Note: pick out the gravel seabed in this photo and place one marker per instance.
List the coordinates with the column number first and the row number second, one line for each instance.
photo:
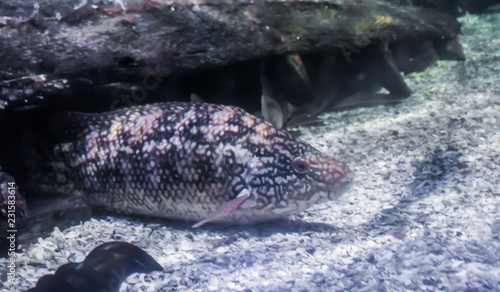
column 423, row 215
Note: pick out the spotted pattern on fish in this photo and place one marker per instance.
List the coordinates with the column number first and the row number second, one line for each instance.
column 192, row 161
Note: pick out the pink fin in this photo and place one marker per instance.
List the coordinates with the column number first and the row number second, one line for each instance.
column 226, row 209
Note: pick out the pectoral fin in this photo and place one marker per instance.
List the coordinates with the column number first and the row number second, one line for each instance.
column 227, row 208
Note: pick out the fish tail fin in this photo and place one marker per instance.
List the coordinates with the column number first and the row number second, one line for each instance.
column 28, row 140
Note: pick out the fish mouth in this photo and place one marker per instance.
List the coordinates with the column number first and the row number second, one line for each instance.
column 343, row 188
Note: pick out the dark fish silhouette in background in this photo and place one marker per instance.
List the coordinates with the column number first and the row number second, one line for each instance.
column 104, row 269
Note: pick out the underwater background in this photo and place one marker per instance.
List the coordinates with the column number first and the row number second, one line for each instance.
column 423, row 213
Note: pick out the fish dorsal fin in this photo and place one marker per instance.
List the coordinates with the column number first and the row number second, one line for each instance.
column 227, row 208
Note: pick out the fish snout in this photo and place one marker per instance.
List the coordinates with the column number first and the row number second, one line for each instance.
column 339, row 179
column 342, row 188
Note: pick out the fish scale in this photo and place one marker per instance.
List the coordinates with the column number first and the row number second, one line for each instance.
column 192, row 161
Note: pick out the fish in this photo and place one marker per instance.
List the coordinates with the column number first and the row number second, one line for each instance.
column 197, row 162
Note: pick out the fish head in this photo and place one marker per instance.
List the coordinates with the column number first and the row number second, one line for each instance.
column 298, row 177
column 326, row 178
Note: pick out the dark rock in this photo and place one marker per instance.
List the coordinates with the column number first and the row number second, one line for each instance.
column 104, row 268
column 178, row 38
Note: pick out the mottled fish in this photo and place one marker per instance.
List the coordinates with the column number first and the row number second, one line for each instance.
column 192, row 161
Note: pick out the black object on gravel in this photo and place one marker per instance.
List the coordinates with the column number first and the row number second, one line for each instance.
column 104, row 269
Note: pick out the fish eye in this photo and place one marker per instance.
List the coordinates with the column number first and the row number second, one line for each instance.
column 300, row 165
